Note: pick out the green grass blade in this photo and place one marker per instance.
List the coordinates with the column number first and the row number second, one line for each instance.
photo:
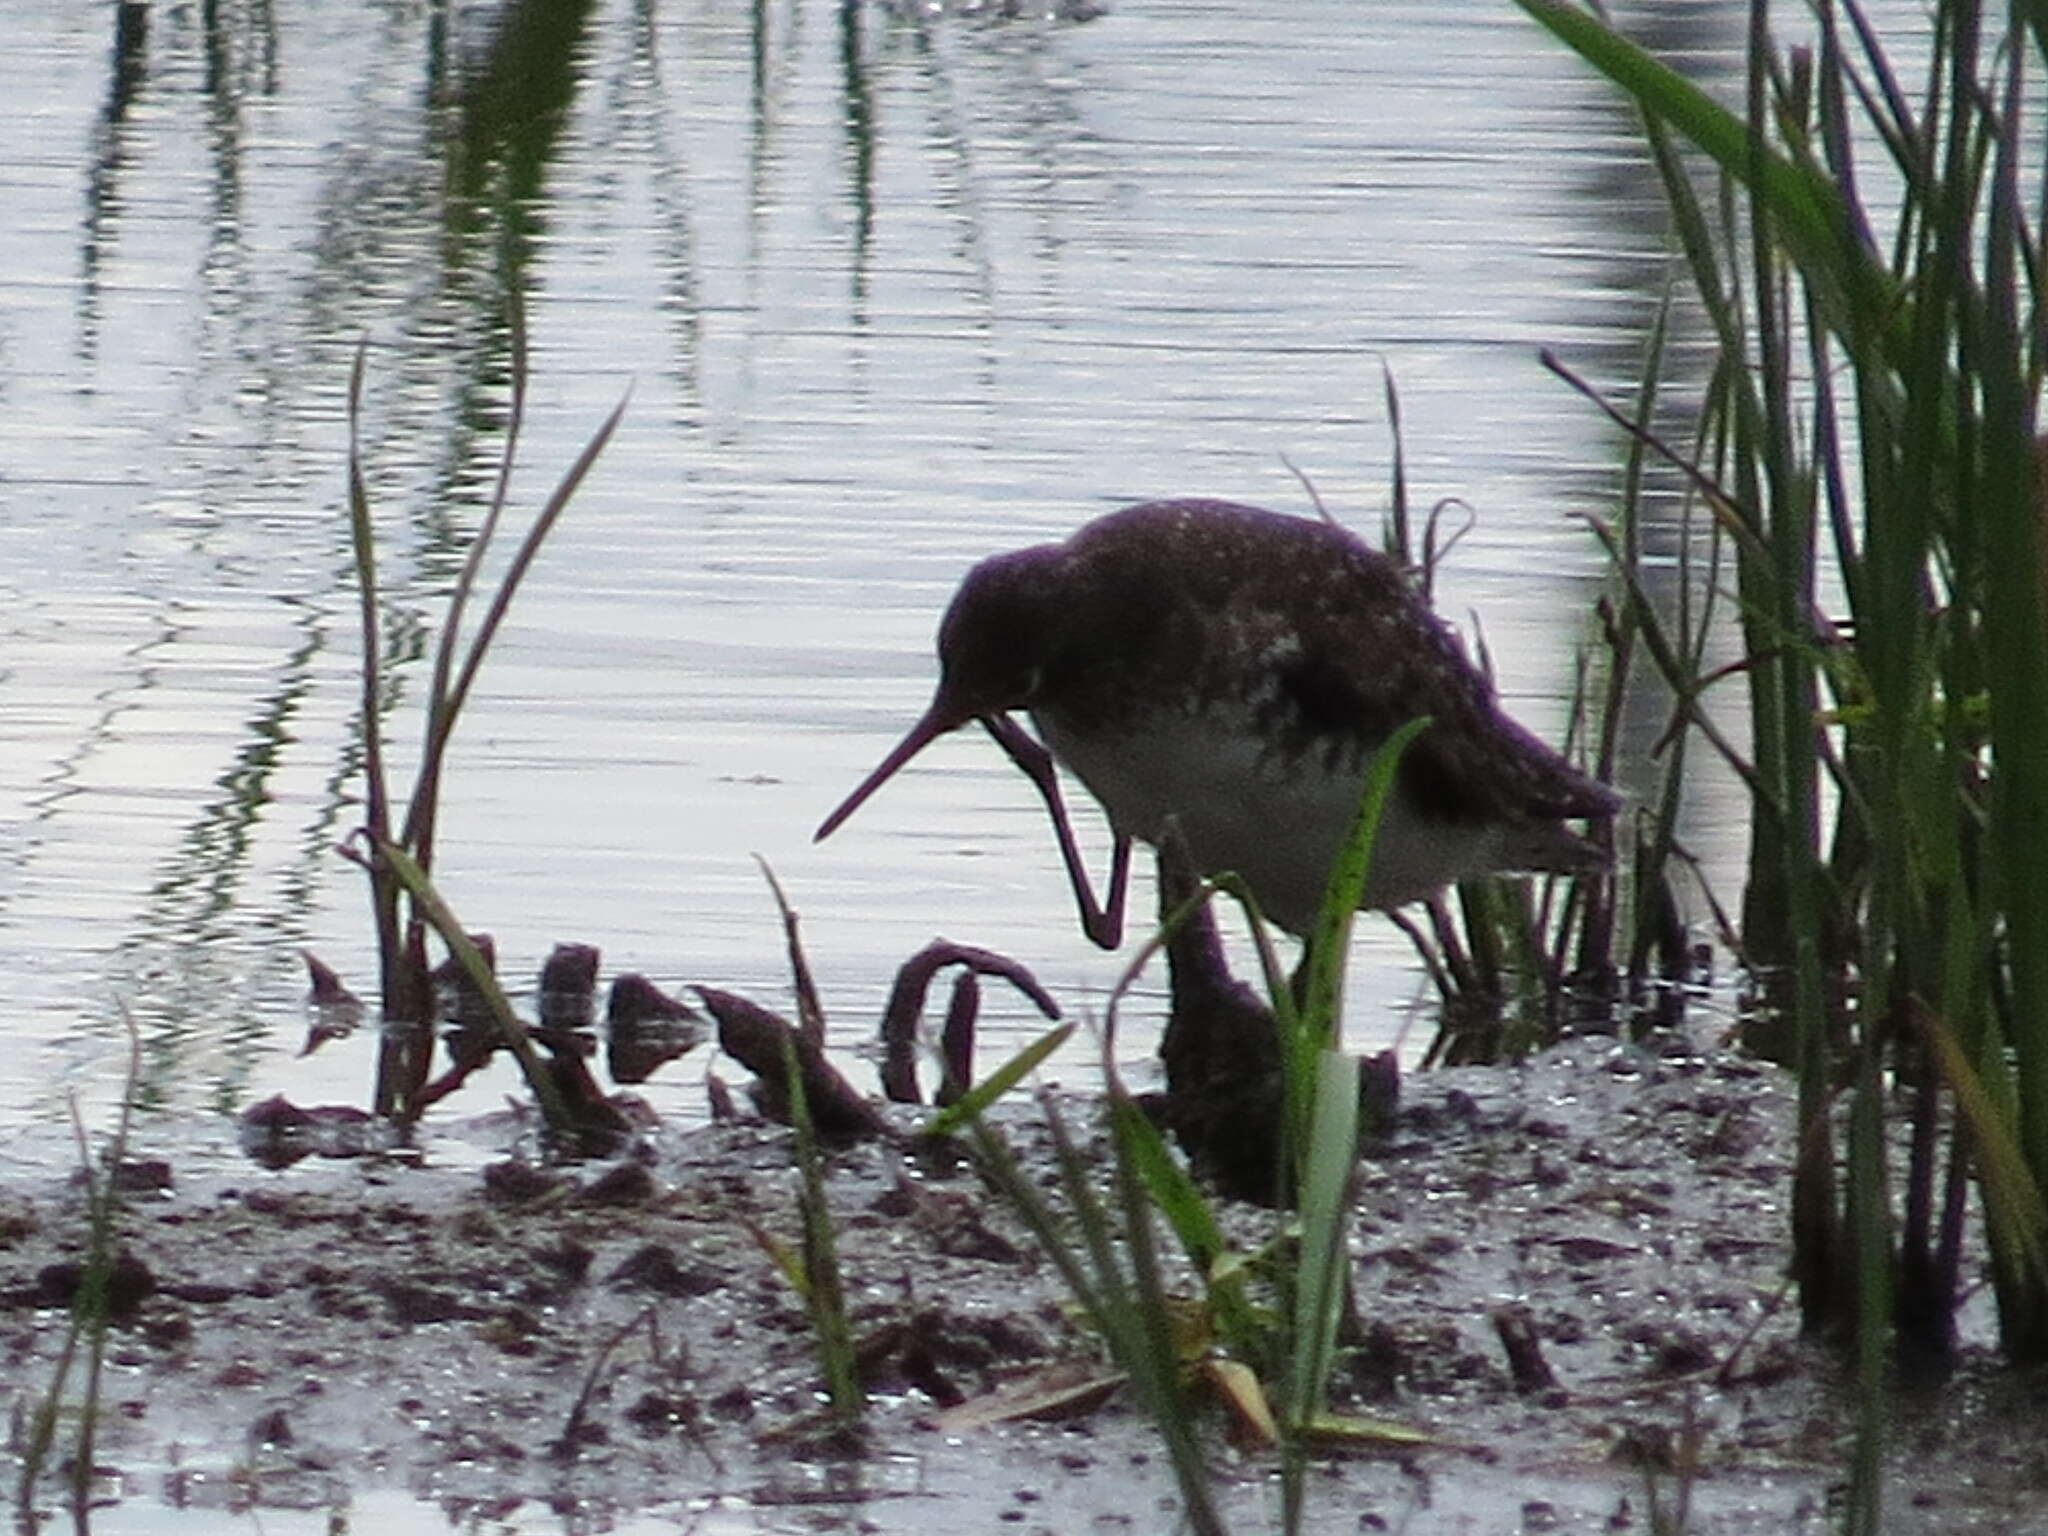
column 1351, row 1432
column 1399, row 540
column 1279, row 989
column 427, row 900
column 999, row 1167
column 1325, row 1209
column 823, row 1291
column 1131, row 1311
column 447, row 707
column 543, row 525
column 376, row 782
column 423, row 807
column 363, row 548
column 1798, row 194
column 787, row 1261
column 1312, row 1027
column 494, row 512
column 2013, row 1203
column 975, row 1102
column 1329, row 949
column 2011, row 497
column 1150, row 1352
column 1174, row 1194
column 810, row 1008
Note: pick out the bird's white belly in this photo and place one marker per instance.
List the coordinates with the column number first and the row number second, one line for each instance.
column 1276, row 821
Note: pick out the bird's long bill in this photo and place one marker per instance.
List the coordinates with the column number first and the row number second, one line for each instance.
column 936, row 723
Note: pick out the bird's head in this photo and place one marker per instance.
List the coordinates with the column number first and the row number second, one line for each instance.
column 992, row 655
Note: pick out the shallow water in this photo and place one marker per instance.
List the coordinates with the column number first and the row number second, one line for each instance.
column 888, row 294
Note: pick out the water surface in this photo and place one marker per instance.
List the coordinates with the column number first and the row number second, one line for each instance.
column 890, row 290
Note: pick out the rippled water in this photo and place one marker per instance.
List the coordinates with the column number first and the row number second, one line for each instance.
column 890, row 290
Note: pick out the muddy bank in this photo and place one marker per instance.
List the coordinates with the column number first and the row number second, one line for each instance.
column 534, row 1349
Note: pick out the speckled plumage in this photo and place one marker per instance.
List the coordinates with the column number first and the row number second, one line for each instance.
column 1235, row 669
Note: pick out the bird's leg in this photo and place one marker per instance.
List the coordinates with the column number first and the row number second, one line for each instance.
column 1104, row 922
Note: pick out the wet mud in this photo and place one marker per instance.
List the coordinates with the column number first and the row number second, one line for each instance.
column 1570, row 1277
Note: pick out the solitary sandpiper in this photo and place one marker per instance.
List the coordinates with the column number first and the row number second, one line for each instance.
column 1234, row 669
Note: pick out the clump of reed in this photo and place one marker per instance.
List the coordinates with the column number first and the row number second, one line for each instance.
column 1869, row 258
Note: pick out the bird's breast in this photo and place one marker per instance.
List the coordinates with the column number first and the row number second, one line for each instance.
column 1244, row 803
